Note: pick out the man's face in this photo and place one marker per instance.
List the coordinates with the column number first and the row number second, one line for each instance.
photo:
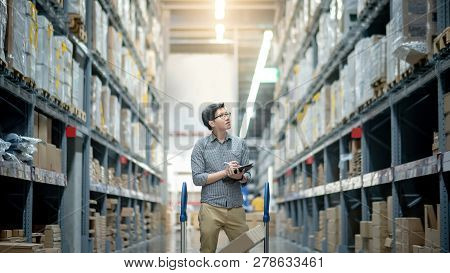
column 222, row 119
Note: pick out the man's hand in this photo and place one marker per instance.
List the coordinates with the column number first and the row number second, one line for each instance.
column 231, row 167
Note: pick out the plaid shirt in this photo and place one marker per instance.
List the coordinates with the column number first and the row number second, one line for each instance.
column 208, row 156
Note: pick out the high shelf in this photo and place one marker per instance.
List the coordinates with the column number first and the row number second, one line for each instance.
column 33, row 196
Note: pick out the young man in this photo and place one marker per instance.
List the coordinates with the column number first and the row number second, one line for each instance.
column 214, row 160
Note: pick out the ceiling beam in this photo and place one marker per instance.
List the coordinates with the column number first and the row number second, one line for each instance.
column 211, row 7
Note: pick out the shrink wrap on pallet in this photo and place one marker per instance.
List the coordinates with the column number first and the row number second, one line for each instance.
column 3, row 24
column 44, row 54
column 77, row 7
column 16, row 44
column 125, row 128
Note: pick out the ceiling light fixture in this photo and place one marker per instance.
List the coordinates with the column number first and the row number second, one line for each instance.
column 256, row 81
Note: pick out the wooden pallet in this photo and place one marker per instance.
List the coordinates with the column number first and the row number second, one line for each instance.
column 76, row 26
column 80, row 114
column 379, row 87
column 3, row 65
column 30, row 82
column 441, row 41
column 57, row 3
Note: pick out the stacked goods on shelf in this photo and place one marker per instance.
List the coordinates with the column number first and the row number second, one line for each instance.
column 104, row 109
column 347, row 74
column 138, row 225
column 76, row 9
column 379, row 227
column 408, row 232
column 378, row 65
column 97, row 228
column 320, row 234
column 96, row 106
column 292, row 231
column 124, row 181
column 78, row 86
column 114, row 118
column 100, row 21
column 47, row 156
column 125, row 128
column 17, row 38
column 326, row 38
column 364, row 240
column 44, row 59
column 111, row 222
column 13, row 241
column 344, row 12
column 31, row 42
column 67, row 61
column 409, row 22
column 333, row 228
column 114, row 51
column 435, row 146
column 138, row 133
column 432, row 230
column 320, row 174
column 355, row 165
column 363, row 89
column 126, row 215
column 151, row 221
column 52, row 238
column 3, row 24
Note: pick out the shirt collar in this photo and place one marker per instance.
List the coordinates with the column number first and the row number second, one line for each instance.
column 213, row 137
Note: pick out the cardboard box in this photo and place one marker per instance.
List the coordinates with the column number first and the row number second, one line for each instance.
column 432, row 234
column 17, row 233
column 379, row 232
column 127, row 212
column 245, row 241
column 358, row 243
column 411, row 224
column 365, row 229
column 378, row 244
column 390, row 218
column 54, row 158
column 43, row 131
column 5, row 234
column 42, row 156
column 418, row 249
column 379, row 213
column 388, row 242
column 447, row 124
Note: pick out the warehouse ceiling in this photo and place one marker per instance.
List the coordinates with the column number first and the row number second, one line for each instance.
column 192, row 30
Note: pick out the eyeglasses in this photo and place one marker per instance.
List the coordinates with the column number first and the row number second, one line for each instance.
column 224, row 115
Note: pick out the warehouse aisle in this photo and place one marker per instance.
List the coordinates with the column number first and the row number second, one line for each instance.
column 170, row 243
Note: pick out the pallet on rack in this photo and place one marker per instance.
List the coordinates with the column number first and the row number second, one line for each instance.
column 30, row 82
column 76, row 26
column 78, row 113
column 442, row 40
column 379, row 87
column 3, row 65
column 57, row 3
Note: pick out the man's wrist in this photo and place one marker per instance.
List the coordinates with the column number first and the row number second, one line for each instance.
column 224, row 174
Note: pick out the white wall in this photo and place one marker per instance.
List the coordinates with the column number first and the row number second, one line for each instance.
column 193, row 81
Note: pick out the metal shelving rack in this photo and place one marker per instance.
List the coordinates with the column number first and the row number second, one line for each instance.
column 396, row 164
column 24, row 179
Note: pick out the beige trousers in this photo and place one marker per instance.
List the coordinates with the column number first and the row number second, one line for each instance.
column 213, row 219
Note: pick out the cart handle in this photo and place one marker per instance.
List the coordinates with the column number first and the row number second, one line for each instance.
column 183, row 215
column 266, row 217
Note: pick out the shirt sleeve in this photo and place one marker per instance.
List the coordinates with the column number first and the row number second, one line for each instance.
column 199, row 176
column 245, row 155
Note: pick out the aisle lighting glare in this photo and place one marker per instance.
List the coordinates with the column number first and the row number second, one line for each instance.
column 256, row 81
column 220, row 9
column 220, row 32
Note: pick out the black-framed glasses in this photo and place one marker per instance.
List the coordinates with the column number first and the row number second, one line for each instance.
column 224, row 115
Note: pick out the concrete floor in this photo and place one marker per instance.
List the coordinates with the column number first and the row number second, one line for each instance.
column 170, row 243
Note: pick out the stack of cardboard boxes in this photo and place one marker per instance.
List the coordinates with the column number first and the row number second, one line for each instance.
column 355, row 161
column 52, row 238
column 13, row 241
column 138, row 225
column 379, row 227
column 126, row 215
column 333, row 228
column 320, row 234
column 47, row 156
column 111, row 222
column 408, row 232
column 432, row 232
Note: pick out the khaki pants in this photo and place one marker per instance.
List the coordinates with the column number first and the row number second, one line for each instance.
column 213, row 219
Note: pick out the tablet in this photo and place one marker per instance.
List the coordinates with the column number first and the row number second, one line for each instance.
column 245, row 168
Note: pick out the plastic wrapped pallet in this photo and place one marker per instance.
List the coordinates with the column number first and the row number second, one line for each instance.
column 32, row 40
column 104, row 110
column 409, row 18
column 44, row 56
column 16, row 43
column 57, row 67
column 391, row 60
column 114, row 51
column 67, row 61
column 344, row 12
column 114, row 117
column 96, row 102
column 125, row 128
column 76, row 7
column 431, row 24
column 349, row 85
column 78, row 86
column 3, row 22
column 378, row 60
column 100, row 30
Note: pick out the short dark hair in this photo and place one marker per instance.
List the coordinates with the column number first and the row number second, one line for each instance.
column 209, row 112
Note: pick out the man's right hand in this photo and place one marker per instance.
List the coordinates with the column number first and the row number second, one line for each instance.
column 230, row 167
